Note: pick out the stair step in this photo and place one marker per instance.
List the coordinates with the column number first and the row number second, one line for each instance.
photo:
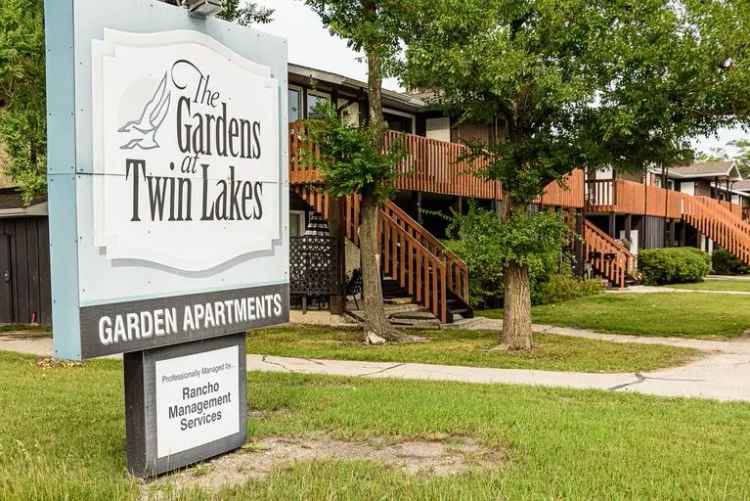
column 413, row 315
column 459, row 311
column 399, row 300
column 392, row 310
column 409, row 322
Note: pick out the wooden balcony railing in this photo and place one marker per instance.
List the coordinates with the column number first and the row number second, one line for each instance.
column 628, row 197
column 569, row 194
column 434, row 166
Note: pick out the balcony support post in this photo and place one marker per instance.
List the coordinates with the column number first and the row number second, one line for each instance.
column 337, row 229
column 419, row 207
column 580, row 270
column 683, row 233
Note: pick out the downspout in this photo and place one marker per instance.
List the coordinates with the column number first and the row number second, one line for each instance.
column 665, row 185
column 644, row 218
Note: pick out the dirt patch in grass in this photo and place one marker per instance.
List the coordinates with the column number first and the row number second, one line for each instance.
column 256, row 460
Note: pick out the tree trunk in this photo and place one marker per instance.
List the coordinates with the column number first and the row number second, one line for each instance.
column 375, row 94
column 376, row 321
column 517, row 333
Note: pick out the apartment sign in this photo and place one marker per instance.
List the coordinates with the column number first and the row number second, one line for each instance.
column 168, row 190
column 168, row 205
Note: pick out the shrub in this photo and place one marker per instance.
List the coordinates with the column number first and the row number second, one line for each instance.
column 562, row 287
column 486, row 244
column 675, row 265
column 724, row 263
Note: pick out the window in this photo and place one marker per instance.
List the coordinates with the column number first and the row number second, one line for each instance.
column 295, row 104
column 399, row 121
column 296, row 223
column 313, row 98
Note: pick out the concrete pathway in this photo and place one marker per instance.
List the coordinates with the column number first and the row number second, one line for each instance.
column 650, row 289
column 723, row 374
column 40, row 346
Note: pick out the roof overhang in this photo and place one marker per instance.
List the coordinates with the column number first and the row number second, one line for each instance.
column 299, row 73
column 731, row 173
column 36, row 210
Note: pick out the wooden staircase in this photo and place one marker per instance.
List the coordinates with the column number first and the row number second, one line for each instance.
column 607, row 256
column 719, row 224
column 414, row 263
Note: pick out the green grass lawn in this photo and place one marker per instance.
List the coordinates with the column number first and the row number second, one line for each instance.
column 62, row 437
column 471, row 348
column 716, row 285
column 709, row 316
column 26, row 329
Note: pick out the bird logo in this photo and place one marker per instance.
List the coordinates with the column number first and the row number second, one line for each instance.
column 141, row 133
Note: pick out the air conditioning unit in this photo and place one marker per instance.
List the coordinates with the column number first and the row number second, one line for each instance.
column 202, row 8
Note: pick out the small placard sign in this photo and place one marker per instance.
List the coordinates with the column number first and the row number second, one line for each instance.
column 184, row 403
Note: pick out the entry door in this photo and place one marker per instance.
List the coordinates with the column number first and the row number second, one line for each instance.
column 6, row 288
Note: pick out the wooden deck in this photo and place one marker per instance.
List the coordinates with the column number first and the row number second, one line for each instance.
column 628, row 197
column 433, row 166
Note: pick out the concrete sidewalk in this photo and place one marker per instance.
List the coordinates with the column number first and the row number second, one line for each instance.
column 724, row 374
column 651, row 289
column 719, row 377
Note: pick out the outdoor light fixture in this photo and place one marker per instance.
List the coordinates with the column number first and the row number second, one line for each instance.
column 202, row 8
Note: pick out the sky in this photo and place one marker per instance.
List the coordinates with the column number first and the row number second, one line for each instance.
column 311, row 45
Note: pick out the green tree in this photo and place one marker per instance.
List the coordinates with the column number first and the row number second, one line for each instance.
column 245, row 13
column 742, row 157
column 23, row 124
column 372, row 27
column 350, row 159
column 242, row 12
column 578, row 83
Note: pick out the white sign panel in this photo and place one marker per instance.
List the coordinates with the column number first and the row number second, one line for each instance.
column 197, row 400
column 186, row 143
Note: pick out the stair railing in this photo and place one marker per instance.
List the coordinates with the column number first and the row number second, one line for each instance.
column 457, row 270
column 717, row 226
column 730, row 217
column 608, row 256
column 419, row 271
column 407, row 253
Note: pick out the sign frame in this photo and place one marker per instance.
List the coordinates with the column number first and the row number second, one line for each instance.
column 70, row 27
column 141, row 408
